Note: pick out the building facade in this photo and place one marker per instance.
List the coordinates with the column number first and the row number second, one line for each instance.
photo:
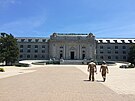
column 74, row 47
column 33, row 48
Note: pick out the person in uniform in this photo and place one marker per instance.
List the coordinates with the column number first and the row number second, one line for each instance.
column 91, row 69
column 104, row 70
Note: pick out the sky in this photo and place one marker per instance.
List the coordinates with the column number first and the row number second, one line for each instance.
column 41, row 18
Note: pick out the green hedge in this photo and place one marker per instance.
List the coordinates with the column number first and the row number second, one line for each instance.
column 38, row 63
column 127, row 66
column 131, row 66
column 53, row 62
column 22, row 65
column 2, row 70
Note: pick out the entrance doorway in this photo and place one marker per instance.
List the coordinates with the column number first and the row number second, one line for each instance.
column 83, row 56
column 61, row 55
column 72, row 55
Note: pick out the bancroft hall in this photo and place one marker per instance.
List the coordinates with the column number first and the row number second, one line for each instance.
column 73, row 46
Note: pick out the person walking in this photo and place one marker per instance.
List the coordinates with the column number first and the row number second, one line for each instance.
column 104, row 70
column 91, row 69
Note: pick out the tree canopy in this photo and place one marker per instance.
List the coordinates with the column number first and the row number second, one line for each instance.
column 8, row 49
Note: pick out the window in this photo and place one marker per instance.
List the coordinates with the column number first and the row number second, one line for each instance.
column 108, row 47
column 21, row 46
column 22, row 40
column 43, row 51
column 36, row 51
column 83, row 47
column 101, row 52
column 124, row 52
column 43, row 46
column 101, row 57
column 35, row 56
column 61, row 46
column 124, row 47
column 29, row 46
column 28, row 51
column 36, row 46
column 101, row 47
column 43, row 40
column 43, row 56
column 21, row 51
column 116, row 57
column 36, row 40
column 116, row 52
column 61, row 51
column 28, row 56
column 124, row 57
column 109, row 52
column 21, row 56
column 116, row 47
column 29, row 40
column 109, row 57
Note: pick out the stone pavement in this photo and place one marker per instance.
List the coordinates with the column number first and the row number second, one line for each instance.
column 120, row 80
column 56, row 83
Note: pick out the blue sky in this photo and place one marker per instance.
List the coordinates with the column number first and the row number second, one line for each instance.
column 40, row 18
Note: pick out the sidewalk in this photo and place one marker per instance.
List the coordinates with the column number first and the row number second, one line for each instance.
column 56, row 83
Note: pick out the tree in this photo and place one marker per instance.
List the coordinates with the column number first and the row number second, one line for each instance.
column 131, row 57
column 8, row 49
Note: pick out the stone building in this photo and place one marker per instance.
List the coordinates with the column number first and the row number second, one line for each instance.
column 113, row 49
column 33, row 48
column 73, row 46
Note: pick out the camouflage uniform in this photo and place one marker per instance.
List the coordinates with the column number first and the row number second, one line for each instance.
column 104, row 70
column 91, row 68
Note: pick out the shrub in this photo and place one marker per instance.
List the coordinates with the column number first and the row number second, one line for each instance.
column 53, row 62
column 38, row 63
column 22, row 65
column 2, row 70
column 131, row 66
column 127, row 66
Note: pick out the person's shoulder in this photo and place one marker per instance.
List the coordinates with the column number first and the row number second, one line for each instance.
column 93, row 63
column 104, row 65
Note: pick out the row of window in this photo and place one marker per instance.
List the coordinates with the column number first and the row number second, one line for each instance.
column 36, row 40
column 115, row 47
column 29, row 46
column 110, row 57
column 28, row 51
column 116, row 52
column 29, row 56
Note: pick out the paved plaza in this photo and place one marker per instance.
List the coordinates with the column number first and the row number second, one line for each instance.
column 67, row 83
